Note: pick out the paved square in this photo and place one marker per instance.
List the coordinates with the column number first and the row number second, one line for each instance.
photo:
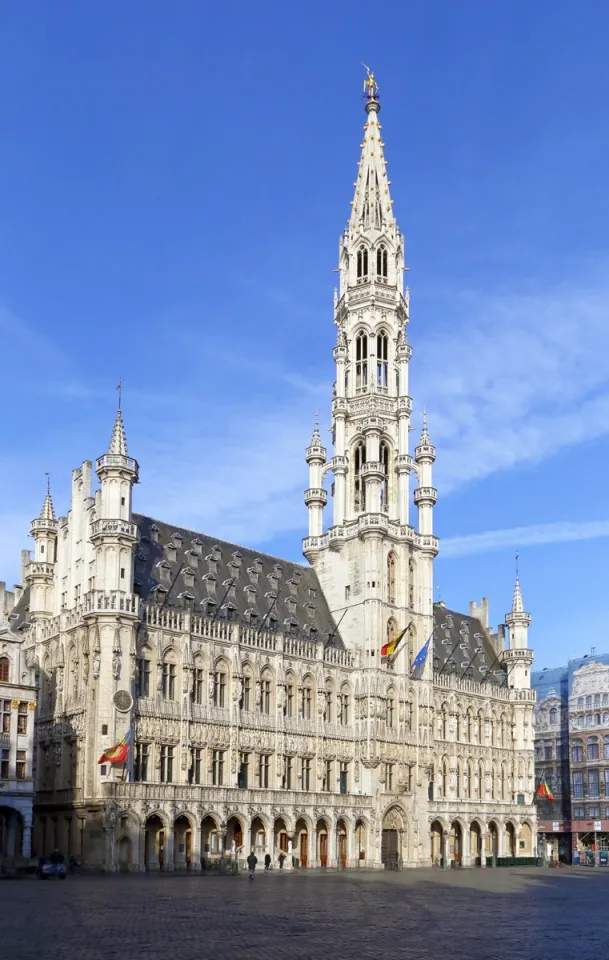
column 427, row 915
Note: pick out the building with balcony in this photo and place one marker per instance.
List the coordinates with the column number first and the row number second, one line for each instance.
column 17, row 705
column 261, row 712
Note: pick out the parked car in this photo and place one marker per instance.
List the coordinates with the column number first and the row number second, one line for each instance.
column 48, row 869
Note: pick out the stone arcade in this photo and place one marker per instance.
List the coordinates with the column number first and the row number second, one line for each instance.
column 261, row 712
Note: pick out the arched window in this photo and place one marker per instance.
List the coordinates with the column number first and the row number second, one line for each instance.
column 480, row 727
column 381, row 261
column 361, row 362
column 329, row 716
column 220, row 684
column 606, row 750
column 553, row 715
column 359, row 490
column 470, row 725
column 4, row 669
column 384, row 455
column 391, row 708
column 411, row 576
column 493, row 779
column 481, row 778
column 459, row 778
column 382, row 353
column 593, row 748
column 468, row 779
column 265, row 692
column 362, row 263
column 577, row 751
column 391, row 577
column 444, row 777
column 306, row 699
column 391, row 629
column 168, row 679
column 503, row 782
column 344, row 705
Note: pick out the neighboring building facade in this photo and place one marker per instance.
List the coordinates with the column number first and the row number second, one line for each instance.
column 572, row 753
column 261, row 712
column 17, row 704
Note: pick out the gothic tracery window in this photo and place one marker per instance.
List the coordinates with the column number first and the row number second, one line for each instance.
column 411, row 575
column 359, row 459
column 362, row 263
column 382, row 356
column 381, row 261
column 361, row 362
column 384, row 458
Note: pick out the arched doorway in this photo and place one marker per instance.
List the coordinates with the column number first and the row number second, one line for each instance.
column 341, row 843
column 510, row 840
column 258, row 837
column 475, row 843
column 437, row 844
column 210, row 840
column 154, row 846
column 322, row 843
column 182, row 844
column 392, row 837
column 234, row 839
column 280, row 838
column 124, row 854
column 493, row 840
column 360, row 843
column 301, row 836
column 455, row 842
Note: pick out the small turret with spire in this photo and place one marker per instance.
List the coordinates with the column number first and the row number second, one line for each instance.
column 425, row 495
column 315, row 496
column 39, row 572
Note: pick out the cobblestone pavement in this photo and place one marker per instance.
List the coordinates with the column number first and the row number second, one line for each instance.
column 503, row 914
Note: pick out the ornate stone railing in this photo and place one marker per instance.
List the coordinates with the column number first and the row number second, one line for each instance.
column 253, row 637
column 124, row 527
column 214, row 629
column 208, row 795
column 38, row 568
column 342, row 658
column 101, row 601
column 297, row 647
column 486, row 689
column 116, row 460
column 157, row 616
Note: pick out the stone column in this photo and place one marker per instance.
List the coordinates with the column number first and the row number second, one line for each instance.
column 195, row 860
column 11, row 839
column 169, row 841
column 287, row 863
column 466, row 851
column 483, row 843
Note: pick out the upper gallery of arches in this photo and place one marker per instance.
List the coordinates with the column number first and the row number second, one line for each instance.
column 372, row 246
column 214, row 578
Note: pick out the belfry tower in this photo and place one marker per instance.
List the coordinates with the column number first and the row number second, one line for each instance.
column 376, row 569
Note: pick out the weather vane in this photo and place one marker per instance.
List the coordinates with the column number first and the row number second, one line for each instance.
column 371, row 87
column 119, row 387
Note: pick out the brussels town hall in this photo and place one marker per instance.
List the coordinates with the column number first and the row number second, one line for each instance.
column 258, row 710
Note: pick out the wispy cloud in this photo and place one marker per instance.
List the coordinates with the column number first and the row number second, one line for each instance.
column 523, row 537
column 516, row 378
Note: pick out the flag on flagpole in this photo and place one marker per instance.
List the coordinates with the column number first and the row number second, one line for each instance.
column 418, row 664
column 544, row 792
column 119, row 752
column 389, row 648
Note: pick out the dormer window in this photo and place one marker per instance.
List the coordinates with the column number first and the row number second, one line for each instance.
column 236, row 561
column 230, row 586
column 253, row 574
column 229, row 610
column 189, row 577
column 170, row 551
column 293, row 586
column 210, row 582
column 312, row 593
column 362, row 263
column 154, row 533
column 164, row 570
column 177, row 538
column 193, row 558
column 160, row 593
column 277, row 570
column 197, row 545
column 208, row 607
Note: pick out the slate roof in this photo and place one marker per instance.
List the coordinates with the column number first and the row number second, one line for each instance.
column 195, row 569
column 457, row 638
column 19, row 614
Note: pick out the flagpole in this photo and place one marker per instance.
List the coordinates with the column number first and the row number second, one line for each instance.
column 269, row 611
column 231, row 583
column 449, row 656
column 335, row 631
column 491, row 666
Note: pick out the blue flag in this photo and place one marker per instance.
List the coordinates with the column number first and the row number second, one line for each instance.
column 419, row 661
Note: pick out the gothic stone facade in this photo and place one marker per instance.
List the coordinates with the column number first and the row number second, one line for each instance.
column 262, row 713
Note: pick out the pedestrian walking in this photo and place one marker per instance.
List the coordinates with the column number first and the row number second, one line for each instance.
column 267, row 862
column 252, row 860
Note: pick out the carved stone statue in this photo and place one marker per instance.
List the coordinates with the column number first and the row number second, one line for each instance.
column 96, row 664
column 116, row 664
column 237, row 689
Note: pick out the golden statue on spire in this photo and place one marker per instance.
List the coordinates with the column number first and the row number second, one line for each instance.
column 371, row 87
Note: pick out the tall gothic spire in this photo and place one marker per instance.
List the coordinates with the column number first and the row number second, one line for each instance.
column 118, row 441
column 372, row 203
column 517, row 604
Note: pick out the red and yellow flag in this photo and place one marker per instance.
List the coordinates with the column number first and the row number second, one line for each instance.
column 389, row 648
column 119, row 752
column 544, row 792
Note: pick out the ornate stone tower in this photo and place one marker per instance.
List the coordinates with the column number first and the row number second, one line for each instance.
column 518, row 657
column 376, row 569
column 40, row 571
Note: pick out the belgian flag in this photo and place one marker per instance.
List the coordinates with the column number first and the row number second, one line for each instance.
column 119, row 752
column 544, row 792
column 389, row 649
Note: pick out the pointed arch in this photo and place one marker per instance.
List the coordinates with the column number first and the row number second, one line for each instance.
column 361, row 362
column 384, row 456
column 382, row 359
column 359, row 487
column 411, row 582
column 381, row 261
column 362, row 263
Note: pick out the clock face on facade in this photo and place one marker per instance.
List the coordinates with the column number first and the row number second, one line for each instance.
column 123, row 700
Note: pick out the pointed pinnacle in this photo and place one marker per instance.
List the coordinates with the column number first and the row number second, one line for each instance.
column 517, row 604
column 48, row 510
column 424, row 431
column 118, row 441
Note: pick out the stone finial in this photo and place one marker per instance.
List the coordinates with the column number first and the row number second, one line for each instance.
column 118, row 441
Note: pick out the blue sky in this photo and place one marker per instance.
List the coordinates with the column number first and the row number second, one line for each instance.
column 173, row 183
